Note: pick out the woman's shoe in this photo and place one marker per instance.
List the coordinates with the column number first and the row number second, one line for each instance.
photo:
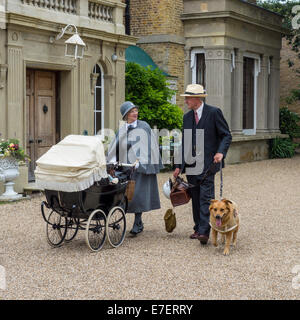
column 137, row 228
column 138, row 224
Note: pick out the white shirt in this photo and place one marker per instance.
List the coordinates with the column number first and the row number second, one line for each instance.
column 199, row 111
column 133, row 124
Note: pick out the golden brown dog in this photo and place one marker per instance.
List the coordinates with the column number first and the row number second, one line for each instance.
column 224, row 219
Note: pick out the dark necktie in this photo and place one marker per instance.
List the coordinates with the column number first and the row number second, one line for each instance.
column 196, row 117
column 130, row 127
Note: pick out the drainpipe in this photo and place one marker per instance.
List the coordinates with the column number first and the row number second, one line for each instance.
column 127, row 17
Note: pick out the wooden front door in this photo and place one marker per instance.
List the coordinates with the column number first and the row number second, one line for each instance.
column 41, row 111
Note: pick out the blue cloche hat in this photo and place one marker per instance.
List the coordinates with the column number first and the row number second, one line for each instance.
column 126, row 107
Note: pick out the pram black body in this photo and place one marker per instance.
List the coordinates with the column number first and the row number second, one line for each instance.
column 98, row 210
column 83, row 192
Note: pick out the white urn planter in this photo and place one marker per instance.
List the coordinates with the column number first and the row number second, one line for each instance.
column 9, row 171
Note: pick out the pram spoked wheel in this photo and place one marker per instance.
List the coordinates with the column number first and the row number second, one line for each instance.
column 95, row 232
column 116, row 226
column 56, row 226
column 72, row 229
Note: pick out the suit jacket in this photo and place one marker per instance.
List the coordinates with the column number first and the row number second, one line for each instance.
column 217, row 136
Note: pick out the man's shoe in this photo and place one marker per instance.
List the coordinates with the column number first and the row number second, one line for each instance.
column 203, row 238
column 195, row 235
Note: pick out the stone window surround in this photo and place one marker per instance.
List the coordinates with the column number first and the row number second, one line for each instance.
column 194, row 52
column 102, row 98
column 257, row 70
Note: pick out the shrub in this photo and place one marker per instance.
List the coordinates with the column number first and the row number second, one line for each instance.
column 282, row 148
column 288, row 122
column 148, row 89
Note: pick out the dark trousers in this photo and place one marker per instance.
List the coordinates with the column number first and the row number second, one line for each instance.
column 201, row 196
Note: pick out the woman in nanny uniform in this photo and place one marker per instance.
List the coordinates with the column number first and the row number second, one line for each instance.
column 140, row 145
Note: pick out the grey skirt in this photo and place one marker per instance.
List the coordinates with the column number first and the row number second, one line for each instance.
column 146, row 195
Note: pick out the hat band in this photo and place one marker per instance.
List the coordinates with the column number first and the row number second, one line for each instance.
column 192, row 93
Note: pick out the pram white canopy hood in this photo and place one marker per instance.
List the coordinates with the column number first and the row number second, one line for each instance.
column 74, row 164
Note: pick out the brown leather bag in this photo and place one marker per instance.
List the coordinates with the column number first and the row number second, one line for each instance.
column 130, row 190
column 180, row 193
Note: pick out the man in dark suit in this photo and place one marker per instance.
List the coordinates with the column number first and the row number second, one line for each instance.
column 217, row 139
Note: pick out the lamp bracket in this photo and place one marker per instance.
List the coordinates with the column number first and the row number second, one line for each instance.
column 63, row 30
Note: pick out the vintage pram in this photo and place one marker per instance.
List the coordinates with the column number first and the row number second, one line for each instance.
column 80, row 194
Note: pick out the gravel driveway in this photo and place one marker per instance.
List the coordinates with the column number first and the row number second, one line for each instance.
column 158, row 265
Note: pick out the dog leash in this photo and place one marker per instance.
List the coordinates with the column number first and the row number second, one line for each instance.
column 221, row 183
column 190, row 186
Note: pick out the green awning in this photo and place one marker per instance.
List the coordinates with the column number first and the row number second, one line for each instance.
column 138, row 55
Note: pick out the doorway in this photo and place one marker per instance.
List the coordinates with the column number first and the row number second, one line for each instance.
column 41, row 114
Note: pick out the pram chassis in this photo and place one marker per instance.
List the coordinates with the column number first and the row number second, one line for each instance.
column 99, row 210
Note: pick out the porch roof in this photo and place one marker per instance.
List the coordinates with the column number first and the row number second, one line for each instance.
column 138, row 55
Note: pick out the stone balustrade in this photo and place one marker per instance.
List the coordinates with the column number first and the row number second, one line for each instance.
column 102, row 15
column 100, row 11
column 66, row 6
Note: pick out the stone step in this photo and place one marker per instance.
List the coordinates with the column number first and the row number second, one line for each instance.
column 31, row 187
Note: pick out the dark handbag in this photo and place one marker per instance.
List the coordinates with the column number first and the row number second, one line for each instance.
column 180, row 193
column 170, row 220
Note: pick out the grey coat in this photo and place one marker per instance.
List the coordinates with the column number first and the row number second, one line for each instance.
column 146, row 195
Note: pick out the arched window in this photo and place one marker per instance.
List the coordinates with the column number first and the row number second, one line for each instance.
column 98, row 101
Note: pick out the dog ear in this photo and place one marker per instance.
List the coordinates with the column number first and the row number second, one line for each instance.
column 227, row 201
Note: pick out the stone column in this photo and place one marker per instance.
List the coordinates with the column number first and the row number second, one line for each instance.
column 274, row 96
column 86, row 114
column 218, row 79
column 187, row 69
column 3, row 85
column 75, row 99
column 119, row 83
column 15, row 87
column 262, row 97
column 237, row 96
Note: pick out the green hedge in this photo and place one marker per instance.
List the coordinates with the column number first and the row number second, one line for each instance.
column 148, row 89
column 288, row 122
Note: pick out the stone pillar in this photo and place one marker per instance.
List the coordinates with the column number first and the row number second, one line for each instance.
column 75, row 99
column 3, row 85
column 218, row 79
column 86, row 114
column 262, row 97
column 187, row 69
column 15, row 88
column 119, row 83
column 111, row 110
column 237, row 96
column 274, row 96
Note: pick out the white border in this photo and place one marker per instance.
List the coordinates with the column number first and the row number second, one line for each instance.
column 102, row 102
column 193, row 61
column 257, row 64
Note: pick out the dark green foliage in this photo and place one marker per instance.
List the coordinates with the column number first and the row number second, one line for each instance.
column 288, row 122
column 290, row 63
column 148, row 89
column 282, row 148
column 285, row 9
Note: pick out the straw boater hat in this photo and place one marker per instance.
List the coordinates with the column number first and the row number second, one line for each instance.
column 194, row 90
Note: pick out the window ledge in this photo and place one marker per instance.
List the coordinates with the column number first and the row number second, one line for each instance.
column 258, row 136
